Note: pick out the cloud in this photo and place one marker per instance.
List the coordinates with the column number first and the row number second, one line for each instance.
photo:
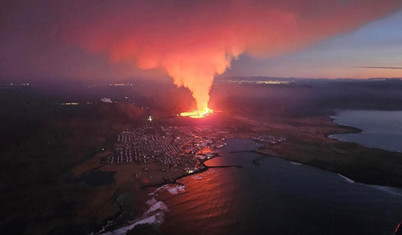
column 380, row 67
column 193, row 41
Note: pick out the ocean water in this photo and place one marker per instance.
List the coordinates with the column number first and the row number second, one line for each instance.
column 276, row 197
column 380, row 129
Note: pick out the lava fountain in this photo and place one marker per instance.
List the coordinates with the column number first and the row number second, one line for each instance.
column 193, row 41
column 197, row 113
column 195, row 69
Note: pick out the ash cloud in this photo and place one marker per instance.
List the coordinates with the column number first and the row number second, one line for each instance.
column 192, row 41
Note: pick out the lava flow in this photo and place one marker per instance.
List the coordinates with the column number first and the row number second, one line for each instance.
column 197, row 113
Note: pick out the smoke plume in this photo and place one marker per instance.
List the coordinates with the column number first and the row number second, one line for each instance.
column 195, row 40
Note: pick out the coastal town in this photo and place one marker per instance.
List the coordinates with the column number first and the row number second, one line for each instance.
column 171, row 146
column 174, row 146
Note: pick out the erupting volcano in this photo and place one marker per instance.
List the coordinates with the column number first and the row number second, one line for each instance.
column 194, row 68
column 193, row 41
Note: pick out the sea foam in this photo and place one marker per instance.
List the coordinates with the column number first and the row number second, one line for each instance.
column 176, row 189
column 154, row 219
column 154, row 215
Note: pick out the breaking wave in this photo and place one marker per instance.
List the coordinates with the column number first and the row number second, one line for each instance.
column 154, row 215
column 176, row 189
column 156, row 211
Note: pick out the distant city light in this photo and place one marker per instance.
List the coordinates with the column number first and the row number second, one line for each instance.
column 106, row 100
column 69, row 104
column 260, row 82
column 120, row 84
column 16, row 84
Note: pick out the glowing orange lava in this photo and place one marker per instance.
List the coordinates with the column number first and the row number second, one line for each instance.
column 197, row 113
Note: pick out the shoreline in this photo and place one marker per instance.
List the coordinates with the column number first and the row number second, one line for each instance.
column 392, row 190
column 348, row 130
column 199, row 170
column 264, row 152
column 386, row 188
column 355, row 130
column 350, row 149
column 173, row 180
column 356, row 179
column 271, row 151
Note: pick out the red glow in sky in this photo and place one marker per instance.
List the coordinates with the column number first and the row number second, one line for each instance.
column 195, row 41
column 191, row 41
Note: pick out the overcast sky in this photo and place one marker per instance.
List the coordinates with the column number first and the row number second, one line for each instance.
column 374, row 50
column 104, row 40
